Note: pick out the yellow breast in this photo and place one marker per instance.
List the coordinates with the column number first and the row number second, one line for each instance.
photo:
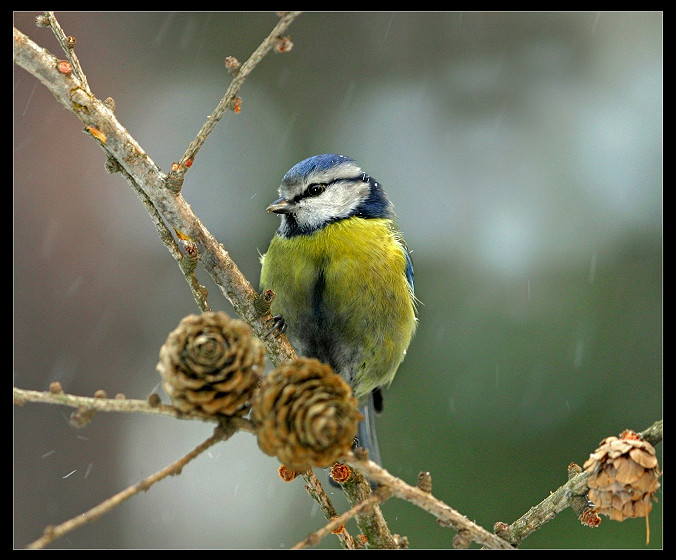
column 348, row 277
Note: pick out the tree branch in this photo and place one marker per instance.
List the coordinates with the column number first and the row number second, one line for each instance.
column 337, row 523
column 160, row 193
column 370, row 520
column 67, row 45
column 147, row 178
column 445, row 514
column 228, row 99
column 22, row 396
column 51, row 533
column 560, row 499
column 316, row 491
column 508, row 536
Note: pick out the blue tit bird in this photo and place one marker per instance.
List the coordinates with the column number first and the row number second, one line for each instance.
column 342, row 278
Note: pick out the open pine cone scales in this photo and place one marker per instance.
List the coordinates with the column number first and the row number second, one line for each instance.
column 305, row 415
column 624, row 476
column 211, row 363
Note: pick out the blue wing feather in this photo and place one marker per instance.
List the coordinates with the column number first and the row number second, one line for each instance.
column 409, row 269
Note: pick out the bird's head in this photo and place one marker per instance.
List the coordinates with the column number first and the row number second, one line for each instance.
column 326, row 188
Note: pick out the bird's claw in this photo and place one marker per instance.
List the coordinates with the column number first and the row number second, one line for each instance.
column 278, row 324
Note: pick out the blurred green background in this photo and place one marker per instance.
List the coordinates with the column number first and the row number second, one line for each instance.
column 523, row 153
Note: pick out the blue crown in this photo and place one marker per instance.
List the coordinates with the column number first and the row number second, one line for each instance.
column 315, row 163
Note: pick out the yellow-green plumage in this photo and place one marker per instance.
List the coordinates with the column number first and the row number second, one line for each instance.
column 344, row 294
column 342, row 278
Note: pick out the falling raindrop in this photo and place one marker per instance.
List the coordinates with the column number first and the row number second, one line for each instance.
column 74, row 287
column 596, row 22
column 592, row 267
column 314, row 510
column 387, row 31
column 25, row 110
column 528, row 290
column 579, row 347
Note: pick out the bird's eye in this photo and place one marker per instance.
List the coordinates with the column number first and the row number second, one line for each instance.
column 315, row 189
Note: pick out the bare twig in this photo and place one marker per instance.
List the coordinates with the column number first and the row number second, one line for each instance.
column 446, row 515
column 146, row 177
column 187, row 259
column 22, row 396
column 653, row 434
column 316, row 491
column 51, row 533
column 227, row 101
column 337, row 523
column 545, row 511
column 71, row 89
column 186, row 263
column 562, row 498
column 67, row 46
column 371, row 521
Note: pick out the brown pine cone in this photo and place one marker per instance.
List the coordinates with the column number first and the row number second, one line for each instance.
column 305, row 414
column 624, row 476
column 211, row 363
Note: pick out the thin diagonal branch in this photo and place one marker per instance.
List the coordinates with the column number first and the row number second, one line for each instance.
column 142, row 172
column 227, row 101
column 337, row 523
column 371, row 521
column 221, row 432
column 187, row 260
column 68, row 49
column 561, row 498
column 426, row 501
column 316, row 491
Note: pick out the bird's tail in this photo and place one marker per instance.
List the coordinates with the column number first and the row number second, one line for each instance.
column 366, row 431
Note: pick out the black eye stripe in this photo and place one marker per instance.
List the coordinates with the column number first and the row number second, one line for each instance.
column 315, row 189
